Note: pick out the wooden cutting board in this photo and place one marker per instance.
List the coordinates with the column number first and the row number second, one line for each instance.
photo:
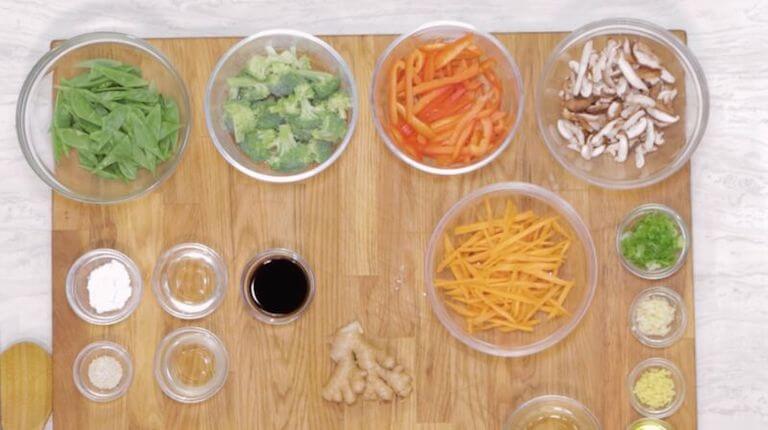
column 363, row 224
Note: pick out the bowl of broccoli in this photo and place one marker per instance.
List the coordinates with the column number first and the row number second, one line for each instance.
column 281, row 106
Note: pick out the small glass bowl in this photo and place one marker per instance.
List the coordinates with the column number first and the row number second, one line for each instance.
column 581, row 266
column 190, row 260
column 86, row 357
column 178, row 390
column 678, row 325
column 77, row 286
column 628, row 223
column 657, row 424
column 322, row 55
column 35, row 107
column 253, row 264
column 677, row 376
column 509, row 76
column 682, row 138
column 535, row 408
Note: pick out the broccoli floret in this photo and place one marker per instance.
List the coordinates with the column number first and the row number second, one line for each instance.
column 265, row 117
column 321, row 150
column 304, row 91
column 258, row 67
column 332, row 128
column 287, row 107
column 282, row 84
column 324, row 84
column 285, row 140
column 240, row 117
column 258, row 144
column 291, row 155
column 306, row 122
column 247, row 88
column 339, row 103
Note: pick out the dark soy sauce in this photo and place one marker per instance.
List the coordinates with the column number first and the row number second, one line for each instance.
column 279, row 286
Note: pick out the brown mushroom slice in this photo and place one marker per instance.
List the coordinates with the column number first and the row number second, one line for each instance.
column 629, row 73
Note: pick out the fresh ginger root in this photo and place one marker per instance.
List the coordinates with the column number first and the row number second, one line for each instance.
column 363, row 369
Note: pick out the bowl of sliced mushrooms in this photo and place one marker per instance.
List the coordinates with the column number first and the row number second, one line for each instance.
column 622, row 103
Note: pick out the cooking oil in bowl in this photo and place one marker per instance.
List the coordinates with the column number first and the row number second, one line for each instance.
column 650, row 424
column 192, row 365
column 553, row 421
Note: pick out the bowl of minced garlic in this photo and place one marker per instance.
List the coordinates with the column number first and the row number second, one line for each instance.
column 657, row 317
column 656, row 388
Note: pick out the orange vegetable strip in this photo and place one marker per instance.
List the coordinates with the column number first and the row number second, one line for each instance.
column 429, row 66
column 409, row 72
column 427, row 98
column 437, row 83
column 464, row 122
column 434, row 46
column 417, row 124
column 452, row 50
column 393, row 91
column 459, row 143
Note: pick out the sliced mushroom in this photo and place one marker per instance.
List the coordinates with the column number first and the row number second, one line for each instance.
column 629, row 73
column 622, row 86
column 662, row 116
column 636, row 129
column 645, row 56
column 585, row 54
column 650, row 136
column 667, row 95
column 623, row 148
column 667, row 77
column 586, row 152
column 586, row 88
column 614, row 109
column 597, row 151
column 578, row 105
column 652, row 76
column 632, row 120
column 639, row 157
column 640, row 99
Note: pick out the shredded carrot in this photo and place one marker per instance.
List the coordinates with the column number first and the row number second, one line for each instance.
column 501, row 270
column 445, row 104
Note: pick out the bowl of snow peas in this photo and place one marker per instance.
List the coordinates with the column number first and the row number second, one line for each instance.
column 103, row 118
column 281, row 106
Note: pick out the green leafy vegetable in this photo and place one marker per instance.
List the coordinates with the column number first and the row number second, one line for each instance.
column 653, row 243
column 115, row 120
column 284, row 113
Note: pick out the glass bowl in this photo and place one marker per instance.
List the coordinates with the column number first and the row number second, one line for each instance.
column 189, row 280
column 174, row 372
column 256, row 261
column 677, row 328
column 650, row 424
column 580, row 266
column 35, row 108
column 77, row 286
column 551, row 406
column 682, row 138
column 506, row 67
column 322, row 56
column 628, row 223
column 677, row 376
column 84, row 360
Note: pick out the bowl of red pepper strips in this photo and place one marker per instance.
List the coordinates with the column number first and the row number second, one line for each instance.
column 447, row 98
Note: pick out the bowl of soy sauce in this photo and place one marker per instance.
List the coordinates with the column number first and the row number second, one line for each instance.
column 278, row 286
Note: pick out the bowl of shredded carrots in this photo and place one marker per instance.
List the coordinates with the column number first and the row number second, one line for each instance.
column 447, row 98
column 511, row 269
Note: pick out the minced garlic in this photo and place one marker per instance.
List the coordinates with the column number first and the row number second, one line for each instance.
column 654, row 316
column 655, row 388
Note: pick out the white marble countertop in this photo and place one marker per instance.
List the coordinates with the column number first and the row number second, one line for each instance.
column 730, row 169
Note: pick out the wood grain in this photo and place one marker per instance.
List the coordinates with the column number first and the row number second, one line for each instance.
column 363, row 225
column 26, row 383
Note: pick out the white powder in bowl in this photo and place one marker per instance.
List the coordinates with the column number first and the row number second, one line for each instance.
column 109, row 287
column 105, row 372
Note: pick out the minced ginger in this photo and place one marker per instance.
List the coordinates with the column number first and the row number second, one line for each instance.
column 655, row 388
column 363, row 369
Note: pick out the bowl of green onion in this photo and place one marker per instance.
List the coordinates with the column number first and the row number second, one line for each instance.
column 653, row 241
column 103, row 118
column 281, row 106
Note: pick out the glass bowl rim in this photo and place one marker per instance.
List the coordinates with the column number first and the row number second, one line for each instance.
column 674, row 335
column 448, row 171
column 552, row 398
column 41, row 68
column 219, row 266
column 162, row 350
column 575, row 222
column 340, row 147
column 677, row 376
column 126, row 360
column 682, row 227
column 136, row 290
column 684, row 55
